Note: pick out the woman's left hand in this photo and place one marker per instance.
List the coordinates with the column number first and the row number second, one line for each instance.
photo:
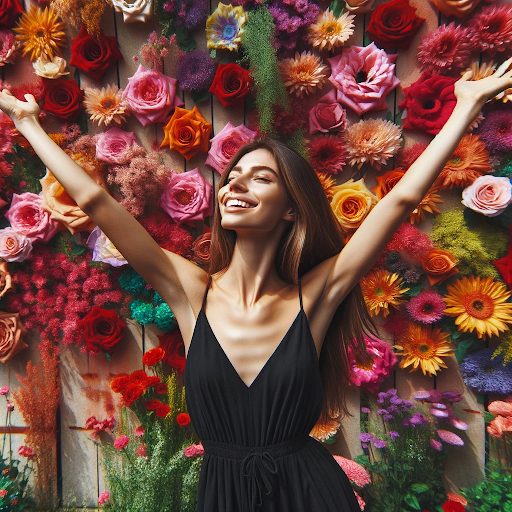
column 478, row 92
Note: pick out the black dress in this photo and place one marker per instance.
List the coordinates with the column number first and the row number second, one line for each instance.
column 258, row 452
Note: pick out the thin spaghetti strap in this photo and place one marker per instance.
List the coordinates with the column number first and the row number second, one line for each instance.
column 300, row 293
column 206, row 291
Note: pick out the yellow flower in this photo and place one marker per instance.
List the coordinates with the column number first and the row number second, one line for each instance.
column 480, row 304
column 351, row 202
column 329, row 32
column 382, row 289
column 105, row 105
column 40, row 33
column 303, row 74
column 424, row 347
column 225, row 26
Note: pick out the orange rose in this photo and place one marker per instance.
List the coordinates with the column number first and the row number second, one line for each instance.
column 61, row 205
column 5, row 279
column 386, row 181
column 458, row 8
column 359, row 6
column 439, row 265
column 499, row 425
column 10, row 336
column 352, row 202
column 188, row 132
column 500, row 408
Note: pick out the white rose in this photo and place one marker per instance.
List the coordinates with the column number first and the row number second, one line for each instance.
column 134, row 10
column 50, row 68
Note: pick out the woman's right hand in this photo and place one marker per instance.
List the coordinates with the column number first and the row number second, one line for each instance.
column 19, row 111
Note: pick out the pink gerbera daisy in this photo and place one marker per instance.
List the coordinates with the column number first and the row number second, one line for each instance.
column 327, row 154
column 491, row 29
column 427, row 307
column 496, row 130
column 355, row 472
column 445, row 50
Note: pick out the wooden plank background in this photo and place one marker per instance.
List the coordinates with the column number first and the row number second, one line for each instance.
column 84, row 378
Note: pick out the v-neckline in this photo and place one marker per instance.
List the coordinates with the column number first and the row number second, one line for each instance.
column 267, row 362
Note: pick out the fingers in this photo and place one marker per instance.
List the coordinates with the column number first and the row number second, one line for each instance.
column 6, row 91
column 467, row 75
column 503, row 67
column 30, row 98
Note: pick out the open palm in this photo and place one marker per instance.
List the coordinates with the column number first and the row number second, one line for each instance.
column 485, row 89
column 16, row 109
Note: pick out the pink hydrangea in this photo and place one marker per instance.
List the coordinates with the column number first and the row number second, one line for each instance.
column 28, row 217
column 488, row 195
column 14, row 246
column 187, row 196
column 151, row 95
column 226, row 143
column 115, row 146
column 363, row 76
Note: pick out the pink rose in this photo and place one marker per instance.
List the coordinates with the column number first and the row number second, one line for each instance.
column 193, row 450
column 327, row 115
column 11, row 341
column 488, row 195
column 151, row 95
column 121, row 442
column 103, row 498
column 187, row 196
column 29, row 218
column 14, row 246
column 113, row 146
column 226, row 143
column 4, row 390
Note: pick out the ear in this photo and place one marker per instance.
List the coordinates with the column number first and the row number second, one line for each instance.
column 290, row 215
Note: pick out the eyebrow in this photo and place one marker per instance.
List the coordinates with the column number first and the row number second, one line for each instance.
column 254, row 168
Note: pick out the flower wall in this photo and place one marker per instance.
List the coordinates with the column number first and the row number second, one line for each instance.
column 152, row 109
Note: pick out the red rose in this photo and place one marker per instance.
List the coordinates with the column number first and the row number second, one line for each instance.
column 153, row 356
column 161, row 409
column 429, row 102
column 394, row 24
column 172, row 342
column 94, row 55
column 231, row 84
column 9, row 12
column 201, row 248
column 62, row 97
column 103, row 329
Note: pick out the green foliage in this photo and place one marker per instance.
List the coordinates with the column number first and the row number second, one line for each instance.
column 258, row 50
column 297, row 142
column 473, row 247
column 14, row 480
column 27, row 168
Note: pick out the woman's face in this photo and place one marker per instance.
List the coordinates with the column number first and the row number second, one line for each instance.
column 255, row 180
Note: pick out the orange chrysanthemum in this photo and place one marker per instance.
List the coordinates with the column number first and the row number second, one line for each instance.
column 429, row 204
column 469, row 161
column 303, row 74
column 382, row 289
column 327, row 182
column 479, row 303
column 105, row 105
column 40, row 33
column 423, row 347
column 322, row 431
column 330, row 32
column 372, row 141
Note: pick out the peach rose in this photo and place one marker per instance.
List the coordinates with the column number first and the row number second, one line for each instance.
column 500, row 408
column 457, row 8
column 352, row 202
column 50, row 69
column 187, row 131
column 359, row 6
column 439, row 265
column 10, row 336
column 14, row 246
column 5, row 279
column 488, row 195
column 499, row 425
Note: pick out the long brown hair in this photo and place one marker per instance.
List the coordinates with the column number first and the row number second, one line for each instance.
column 314, row 236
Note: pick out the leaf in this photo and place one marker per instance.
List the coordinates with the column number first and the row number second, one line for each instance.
column 337, row 7
column 420, row 488
column 412, row 501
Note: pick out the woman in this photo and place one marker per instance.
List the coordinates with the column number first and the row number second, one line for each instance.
column 253, row 402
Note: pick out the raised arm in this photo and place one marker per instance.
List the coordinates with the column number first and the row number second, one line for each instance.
column 175, row 278
column 359, row 254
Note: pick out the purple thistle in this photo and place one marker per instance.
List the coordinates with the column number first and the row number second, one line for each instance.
column 496, row 130
column 394, row 434
column 196, row 14
column 195, row 70
column 365, row 437
column 379, row 443
column 365, row 410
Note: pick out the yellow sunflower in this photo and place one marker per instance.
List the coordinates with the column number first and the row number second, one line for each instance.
column 105, row 105
column 382, row 289
column 40, row 33
column 480, row 304
column 329, row 32
column 423, row 347
column 303, row 74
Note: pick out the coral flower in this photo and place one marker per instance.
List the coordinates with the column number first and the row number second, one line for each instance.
column 105, row 105
column 303, row 74
column 329, row 31
column 428, row 204
column 372, row 141
column 457, row 8
column 491, row 30
column 469, row 161
column 322, row 431
column 445, row 50
column 327, row 154
column 382, row 289
column 423, row 347
column 480, row 304
column 427, row 307
column 40, row 33
column 225, row 26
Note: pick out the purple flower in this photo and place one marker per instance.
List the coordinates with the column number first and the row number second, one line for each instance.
column 365, row 410
column 417, row 419
column 195, row 71
column 394, row 434
column 449, row 437
column 436, row 444
column 365, row 437
column 496, row 130
column 379, row 443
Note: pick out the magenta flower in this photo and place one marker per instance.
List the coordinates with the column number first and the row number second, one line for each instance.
column 491, row 30
column 4, row 390
column 363, row 76
column 103, row 498
column 449, row 437
column 121, row 442
column 427, row 307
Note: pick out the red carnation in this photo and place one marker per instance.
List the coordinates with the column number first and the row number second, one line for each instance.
column 160, row 409
column 9, row 12
column 132, row 392
column 183, row 419
column 94, row 55
column 102, row 328
column 161, row 388
column 429, row 102
column 153, row 356
column 119, row 383
column 394, row 24
column 62, row 98
column 231, row 84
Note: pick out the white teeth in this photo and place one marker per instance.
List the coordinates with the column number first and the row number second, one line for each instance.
column 237, row 202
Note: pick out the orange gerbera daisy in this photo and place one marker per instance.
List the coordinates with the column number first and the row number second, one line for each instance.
column 423, row 347
column 382, row 289
column 387, row 180
column 327, row 182
column 427, row 205
column 479, row 303
column 330, row 32
column 304, row 73
column 40, row 33
column 105, row 105
column 469, row 161
column 322, row 431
